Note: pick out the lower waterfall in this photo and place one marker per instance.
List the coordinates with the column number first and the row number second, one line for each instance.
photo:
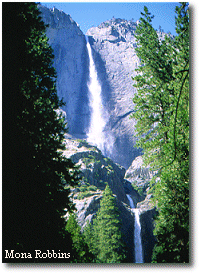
column 137, row 232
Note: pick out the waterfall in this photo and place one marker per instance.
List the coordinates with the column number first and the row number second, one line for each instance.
column 99, row 117
column 137, row 232
column 95, row 135
column 131, row 201
column 137, row 237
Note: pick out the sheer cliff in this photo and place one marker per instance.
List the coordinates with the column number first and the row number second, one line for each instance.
column 114, row 44
column 113, row 49
column 71, row 64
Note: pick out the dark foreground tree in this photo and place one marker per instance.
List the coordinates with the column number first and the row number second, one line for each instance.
column 104, row 237
column 162, row 114
column 34, row 171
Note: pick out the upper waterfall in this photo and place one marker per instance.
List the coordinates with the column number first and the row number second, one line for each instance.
column 130, row 201
column 115, row 58
column 99, row 117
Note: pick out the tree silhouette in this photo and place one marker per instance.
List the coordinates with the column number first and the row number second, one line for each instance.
column 35, row 174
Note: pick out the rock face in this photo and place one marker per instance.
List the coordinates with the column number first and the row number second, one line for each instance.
column 71, row 64
column 97, row 171
column 139, row 175
column 114, row 44
column 113, row 48
column 148, row 239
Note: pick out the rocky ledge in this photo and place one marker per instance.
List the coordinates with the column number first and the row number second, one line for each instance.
column 96, row 169
column 96, row 172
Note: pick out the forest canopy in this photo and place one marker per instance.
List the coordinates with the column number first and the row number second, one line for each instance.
column 162, row 115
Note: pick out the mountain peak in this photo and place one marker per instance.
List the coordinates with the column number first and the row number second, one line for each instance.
column 114, row 30
column 57, row 18
column 119, row 22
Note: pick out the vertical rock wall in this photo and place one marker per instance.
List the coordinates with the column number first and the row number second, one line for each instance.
column 113, row 48
column 148, row 239
column 71, row 64
column 114, row 53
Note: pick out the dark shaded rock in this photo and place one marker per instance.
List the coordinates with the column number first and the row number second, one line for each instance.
column 127, row 220
column 148, row 239
column 132, row 192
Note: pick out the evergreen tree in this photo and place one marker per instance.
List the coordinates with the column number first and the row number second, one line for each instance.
column 162, row 114
column 106, row 238
column 90, row 238
column 35, row 173
column 154, row 96
column 82, row 252
column 173, row 241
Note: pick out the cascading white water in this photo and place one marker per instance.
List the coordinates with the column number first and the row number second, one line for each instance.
column 95, row 135
column 137, row 238
column 130, row 201
column 137, row 232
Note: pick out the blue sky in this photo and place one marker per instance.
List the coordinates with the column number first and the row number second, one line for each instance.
column 89, row 14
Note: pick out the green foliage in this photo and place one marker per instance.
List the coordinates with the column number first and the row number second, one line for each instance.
column 83, row 195
column 86, row 190
column 104, row 237
column 162, row 114
column 109, row 169
column 90, row 239
column 172, row 224
column 92, row 188
column 141, row 189
column 35, row 194
column 82, row 253
column 83, row 187
column 154, row 97
column 90, row 160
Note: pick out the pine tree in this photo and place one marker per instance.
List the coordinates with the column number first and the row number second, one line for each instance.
column 90, row 239
column 35, row 173
column 162, row 114
column 82, row 254
column 173, row 241
column 154, row 96
column 106, row 238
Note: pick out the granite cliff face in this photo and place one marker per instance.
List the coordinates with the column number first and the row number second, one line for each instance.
column 113, row 48
column 71, row 64
column 114, row 44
